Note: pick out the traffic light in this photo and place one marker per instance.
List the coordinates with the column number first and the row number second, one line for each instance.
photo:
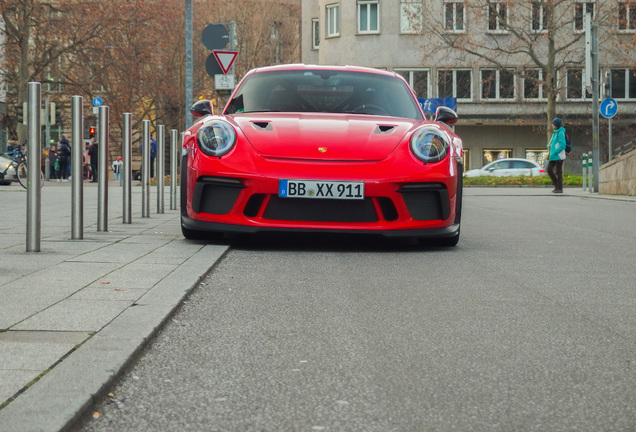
column 608, row 84
column 52, row 113
column 22, row 112
column 91, row 132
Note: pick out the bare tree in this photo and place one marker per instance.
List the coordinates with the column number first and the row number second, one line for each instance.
column 131, row 52
column 38, row 34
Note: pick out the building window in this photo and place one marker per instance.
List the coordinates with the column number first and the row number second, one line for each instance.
column 497, row 84
column 333, row 20
column 627, row 15
column 580, row 10
column 533, row 84
column 368, row 16
column 466, row 159
column 491, row 155
column 624, row 83
column 575, row 86
column 454, row 83
column 418, row 79
column 497, row 16
column 410, row 16
column 454, row 16
column 540, row 156
column 539, row 17
column 315, row 33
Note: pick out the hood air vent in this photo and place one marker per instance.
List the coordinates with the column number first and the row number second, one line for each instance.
column 262, row 125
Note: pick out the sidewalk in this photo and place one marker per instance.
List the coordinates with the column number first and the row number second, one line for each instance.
column 73, row 314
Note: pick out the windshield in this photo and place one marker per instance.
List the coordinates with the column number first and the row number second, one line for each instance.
column 324, row 91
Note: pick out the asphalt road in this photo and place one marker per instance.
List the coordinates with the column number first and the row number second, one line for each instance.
column 529, row 324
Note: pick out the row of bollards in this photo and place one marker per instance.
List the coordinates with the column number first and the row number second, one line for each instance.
column 34, row 147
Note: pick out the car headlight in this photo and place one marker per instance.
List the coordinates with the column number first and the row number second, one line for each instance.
column 429, row 144
column 216, row 138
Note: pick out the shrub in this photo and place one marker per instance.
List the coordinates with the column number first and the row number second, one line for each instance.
column 544, row 180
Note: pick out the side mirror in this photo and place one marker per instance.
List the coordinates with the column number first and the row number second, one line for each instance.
column 202, row 108
column 445, row 115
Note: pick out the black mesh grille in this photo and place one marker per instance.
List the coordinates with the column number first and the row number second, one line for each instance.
column 426, row 201
column 253, row 205
column 215, row 195
column 320, row 210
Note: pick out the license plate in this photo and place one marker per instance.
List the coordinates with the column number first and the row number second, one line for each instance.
column 351, row 190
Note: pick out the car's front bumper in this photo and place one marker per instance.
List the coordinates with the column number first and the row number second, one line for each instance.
column 195, row 225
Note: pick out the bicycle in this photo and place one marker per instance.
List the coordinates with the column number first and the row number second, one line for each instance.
column 18, row 162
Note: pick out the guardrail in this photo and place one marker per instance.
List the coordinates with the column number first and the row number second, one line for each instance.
column 34, row 197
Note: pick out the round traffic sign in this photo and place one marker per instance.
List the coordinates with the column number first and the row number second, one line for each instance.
column 212, row 66
column 215, row 36
column 608, row 108
column 97, row 101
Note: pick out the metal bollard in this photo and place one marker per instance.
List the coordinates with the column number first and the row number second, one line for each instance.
column 126, row 168
column 34, row 149
column 590, row 171
column 102, row 170
column 173, row 169
column 584, row 170
column 77, row 168
column 145, row 170
column 161, row 166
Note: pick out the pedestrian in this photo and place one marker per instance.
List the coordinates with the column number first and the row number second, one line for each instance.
column 153, row 156
column 93, row 153
column 63, row 157
column 556, row 155
column 117, row 167
column 53, row 164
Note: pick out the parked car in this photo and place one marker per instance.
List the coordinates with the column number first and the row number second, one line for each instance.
column 322, row 148
column 510, row 167
column 7, row 172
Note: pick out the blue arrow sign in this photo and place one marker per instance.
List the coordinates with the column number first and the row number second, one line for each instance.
column 608, row 108
column 97, row 101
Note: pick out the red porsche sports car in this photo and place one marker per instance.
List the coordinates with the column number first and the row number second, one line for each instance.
column 322, row 148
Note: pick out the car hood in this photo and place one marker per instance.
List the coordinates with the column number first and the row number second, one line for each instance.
column 324, row 137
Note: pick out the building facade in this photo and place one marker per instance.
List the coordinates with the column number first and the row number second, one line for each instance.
column 489, row 58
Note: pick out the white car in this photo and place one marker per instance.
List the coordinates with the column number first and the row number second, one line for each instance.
column 7, row 173
column 511, row 167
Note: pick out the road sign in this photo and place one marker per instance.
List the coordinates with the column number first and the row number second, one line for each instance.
column 97, row 101
column 215, row 36
column 212, row 66
column 608, row 108
column 224, row 82
column 225, row 59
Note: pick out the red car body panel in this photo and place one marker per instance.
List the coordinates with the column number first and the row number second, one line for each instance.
column 319, row 146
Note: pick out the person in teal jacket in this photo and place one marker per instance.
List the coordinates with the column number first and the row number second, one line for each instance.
column 556, row 155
